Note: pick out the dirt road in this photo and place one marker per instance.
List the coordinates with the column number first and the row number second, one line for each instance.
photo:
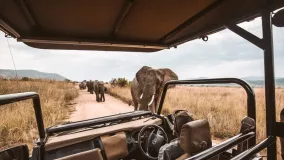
column 87, row 107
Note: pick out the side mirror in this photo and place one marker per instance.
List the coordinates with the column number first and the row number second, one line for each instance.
column 15, row 153
column 278, row 18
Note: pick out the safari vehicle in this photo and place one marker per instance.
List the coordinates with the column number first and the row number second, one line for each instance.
column 140, row 26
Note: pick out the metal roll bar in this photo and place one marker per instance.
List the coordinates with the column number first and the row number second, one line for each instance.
column 12, row 98
column 224, row 146
column 256, row 149
column 250, row 93
column 251, row 108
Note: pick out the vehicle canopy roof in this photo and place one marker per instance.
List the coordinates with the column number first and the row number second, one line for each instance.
column 122, row 25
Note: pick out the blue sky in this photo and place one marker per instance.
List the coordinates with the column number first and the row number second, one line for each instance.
column 225, row 54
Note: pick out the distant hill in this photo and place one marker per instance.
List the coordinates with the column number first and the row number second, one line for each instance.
column 8, row 73
column 259, row 81
column 278, row 82
column 253, row 78
column 256, row 81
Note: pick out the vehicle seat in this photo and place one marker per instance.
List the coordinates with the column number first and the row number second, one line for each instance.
column 94, row 154
column 195, row 137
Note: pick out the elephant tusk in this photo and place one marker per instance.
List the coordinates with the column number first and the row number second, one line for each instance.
column 152, row 100
column 141, row 96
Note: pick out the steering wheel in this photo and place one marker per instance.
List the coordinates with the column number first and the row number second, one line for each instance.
column 150, row 139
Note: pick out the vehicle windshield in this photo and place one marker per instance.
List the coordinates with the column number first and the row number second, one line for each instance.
column 79, row 85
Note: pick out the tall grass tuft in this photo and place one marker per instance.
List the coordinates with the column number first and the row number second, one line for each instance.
column 17, row 124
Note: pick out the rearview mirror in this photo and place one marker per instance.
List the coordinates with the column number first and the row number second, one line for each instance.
column 278, row 18
column 15, row 153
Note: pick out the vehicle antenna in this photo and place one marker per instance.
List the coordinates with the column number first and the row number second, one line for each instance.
column 12, row 56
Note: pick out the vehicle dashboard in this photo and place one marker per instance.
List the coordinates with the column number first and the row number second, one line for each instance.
column 59, row 146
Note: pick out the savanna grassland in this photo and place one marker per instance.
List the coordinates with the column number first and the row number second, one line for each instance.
column 18, row 124
column 224, row 107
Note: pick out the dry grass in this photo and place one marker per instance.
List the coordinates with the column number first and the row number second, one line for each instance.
column 120, row 93
column 224, row 107
column 18, row 123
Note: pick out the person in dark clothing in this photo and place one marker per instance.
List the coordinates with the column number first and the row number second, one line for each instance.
column 173, row 150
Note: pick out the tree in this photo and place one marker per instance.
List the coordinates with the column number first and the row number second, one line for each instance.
column 122, row 82
column 67, row 80
column 113, row 82
column 26, row 79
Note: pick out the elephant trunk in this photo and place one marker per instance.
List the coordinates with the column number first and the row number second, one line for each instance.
column 147, row 99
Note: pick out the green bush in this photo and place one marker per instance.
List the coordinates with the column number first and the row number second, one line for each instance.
column 122, row 82
column 26, row 79
column 67, row 80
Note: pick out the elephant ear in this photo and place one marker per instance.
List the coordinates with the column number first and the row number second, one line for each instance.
column 169, row 75
column 160, row 75
column 141, row 73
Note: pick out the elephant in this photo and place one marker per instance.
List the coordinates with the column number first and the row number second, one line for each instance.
column 147, row 86
column 82, row 85
column 99, row 89
column 89, row 86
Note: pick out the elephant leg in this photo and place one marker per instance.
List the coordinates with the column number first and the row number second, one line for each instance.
column 135, row 106
column 152, row 107
column 103, row 97
column 135, row 103
column 97, row 97
column 100, row 97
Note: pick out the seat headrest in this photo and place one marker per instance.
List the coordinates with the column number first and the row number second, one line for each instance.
column 195, row 136
column 181, row 117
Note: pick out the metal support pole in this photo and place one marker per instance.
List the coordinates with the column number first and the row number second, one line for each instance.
column 269, row 80
column 39, row 118
column 246, row 35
